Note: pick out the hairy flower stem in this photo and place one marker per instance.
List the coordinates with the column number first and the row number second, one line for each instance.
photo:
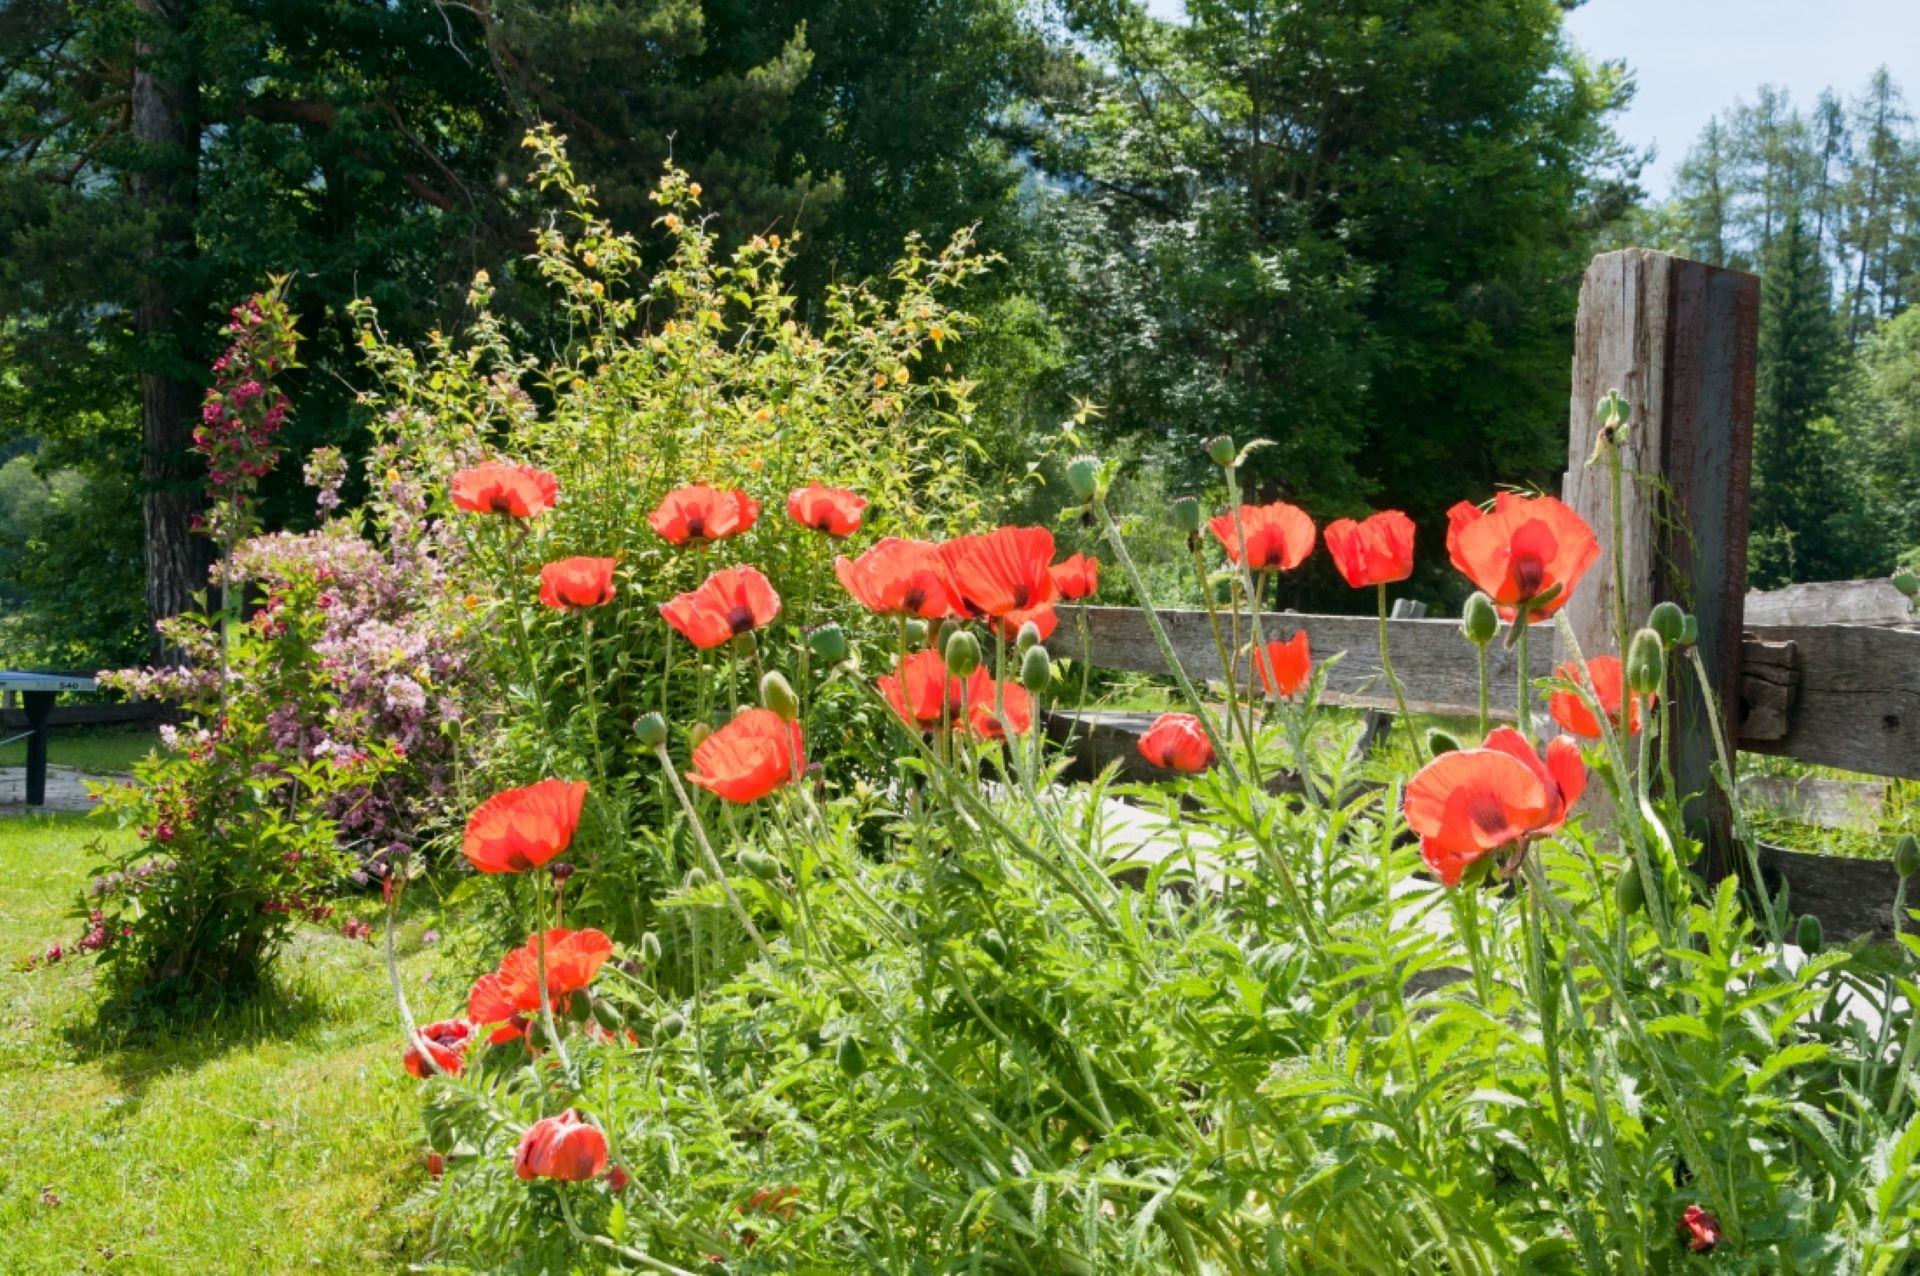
column 1480, row 659
column 1615, row 486
column 1393, row 680
column 591, row 702
column 1523, row 692
column 1229, row 671
column 1253, row 598
column 1776, row 926
column 706, row 851
column 546, row 999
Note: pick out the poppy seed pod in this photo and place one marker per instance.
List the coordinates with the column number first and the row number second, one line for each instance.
column 1220, row 450
column 829, row 643
column 963, row 654
column 1667, row 620
column 1083, row 476
column 1186, row 515
column 1439, row 742
column 651, row 730
column 1808, row 934
column 1629, row 892
column 1036, row 670
column 1907, row 581
column 1906, row 856
column 777, row 694
column 1646, row 663
column 1028, row 638
column 1478, row 620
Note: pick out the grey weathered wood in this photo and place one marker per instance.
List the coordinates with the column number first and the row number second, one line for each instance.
column 73, row 715
column 1858, row 702
column 1435, row 664
column 1830, row 602
column 1769, row 686
column 1677, row 338
column 1851, row 897
column 1808, row 799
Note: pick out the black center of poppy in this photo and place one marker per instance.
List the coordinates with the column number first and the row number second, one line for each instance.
column 499, row 503
column 740, row 620
column 1528, row 572
column 1020, row 595
column 1487, row 813
column 696, row 526
column 915, row 599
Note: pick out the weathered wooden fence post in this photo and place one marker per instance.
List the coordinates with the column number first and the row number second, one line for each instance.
column 1677, row 338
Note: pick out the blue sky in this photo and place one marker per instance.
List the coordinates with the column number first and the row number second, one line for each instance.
column 1694, row 57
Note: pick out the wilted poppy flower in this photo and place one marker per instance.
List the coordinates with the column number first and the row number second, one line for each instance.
column 1519, row 551
column 1279, row 536
column 522, row 829
column 897, row 577
column 1000, row 574
column 1177, row 742
column 1077, row 576
column 572, row 584
column 1571, row 711
column 1701, row 1229
column 750, row 757
column 561, row 1147
column 446, row 1044
column 491, row 1002
column 700, row 515
column 1377, row 551
column 518, row 491
column 574, row 957
column 732, row 601
column 833, row 510
column 1471, row 802
column 1286, row 666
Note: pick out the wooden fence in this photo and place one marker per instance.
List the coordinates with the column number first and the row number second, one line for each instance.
column 1826, row 673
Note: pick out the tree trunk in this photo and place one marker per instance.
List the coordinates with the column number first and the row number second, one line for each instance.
column 165, row 183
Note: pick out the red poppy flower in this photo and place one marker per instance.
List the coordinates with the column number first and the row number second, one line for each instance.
column 1176, row 742
column 522, row 829
column 1471, row 802
column 732, row 601
column 1077, row 576
column 618, row 1180
column 561, row 1147
column 1279, row 536
column 490, row 1002
column 1043, row 618
column 574, row 957
column 750, row 757
column 987, row 700
column 1571, row 711
column 1378, row 551
column 833, row 510
column 446, row 1044
column 700, row 515
column 1701, row 1229
column 1520, row 550
column 897, row 577
column 1002, row 572
column 921, row 690
column 518, row 491
column 1286, row 666
column 573, row 584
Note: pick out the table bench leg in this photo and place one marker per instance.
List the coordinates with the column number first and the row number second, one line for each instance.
column 38, row 705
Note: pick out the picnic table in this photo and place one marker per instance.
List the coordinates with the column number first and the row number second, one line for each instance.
column 37, row 692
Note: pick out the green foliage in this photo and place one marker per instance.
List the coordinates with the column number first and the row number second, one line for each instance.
column 70, row 569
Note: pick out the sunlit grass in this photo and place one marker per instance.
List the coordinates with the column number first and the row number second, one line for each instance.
column 104, row 750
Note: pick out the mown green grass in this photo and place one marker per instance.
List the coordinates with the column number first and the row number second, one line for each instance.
column 277, row 1137
column 105, row 750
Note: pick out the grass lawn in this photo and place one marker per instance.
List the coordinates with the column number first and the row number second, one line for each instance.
column 105, row 750
column 278, row 1138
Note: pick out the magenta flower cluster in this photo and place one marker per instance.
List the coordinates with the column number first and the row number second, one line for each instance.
column 244, row 409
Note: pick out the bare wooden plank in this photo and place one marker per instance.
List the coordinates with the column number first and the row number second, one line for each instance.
column 1850, row 897
column 1830, row 602
column 1769, row 685
column 1858, row 702
column 1677, row 338
column 1809, row 799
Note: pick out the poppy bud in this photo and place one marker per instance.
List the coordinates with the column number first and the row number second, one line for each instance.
column 607, row 1015
column 1027, row 638
column 698, row 733
column 1186, row 515
column 1220, row 450
column 1808, row 935
column 669, row 1027
column 1906, row 856
column 1667, row 620
column 963, row 654
column 776, row 693
column 1646, row 663
column 1083, row 476
column 1629, row 892
column 1907, row 581
column 916, row 632
column 1689, row 630
column 1036, row 670
column 829, row 642
column 696, row 878
column 759, row 864
column 1478, row 620
column 994, row 945
column 1439, row 742
column 650, row 948
column 851, row 1058
column 651, row 729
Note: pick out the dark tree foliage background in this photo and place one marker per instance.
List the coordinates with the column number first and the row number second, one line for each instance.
column 1353, row 229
